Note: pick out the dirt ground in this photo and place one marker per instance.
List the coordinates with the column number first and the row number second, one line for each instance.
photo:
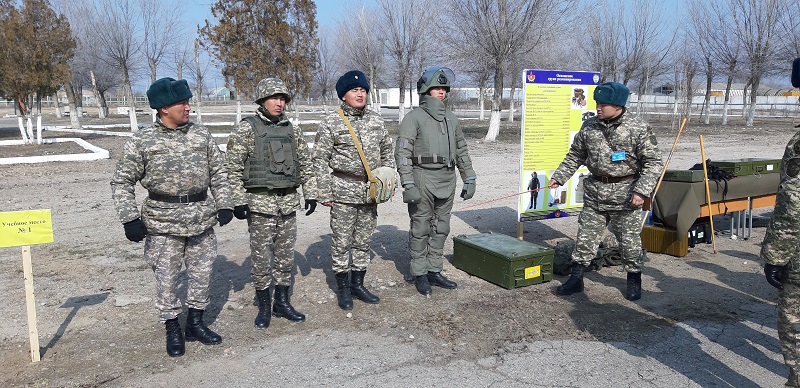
column 94, row 291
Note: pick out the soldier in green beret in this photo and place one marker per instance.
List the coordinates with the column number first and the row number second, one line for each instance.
column 177, row 162
column 622, row 154
column 267, row 161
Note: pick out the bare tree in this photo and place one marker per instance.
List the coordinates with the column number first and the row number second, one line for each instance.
column 726, row 48
column 699, row 30
column 756, row 22
column 158, row 37
column 503, row 30
column 118, row 34
column 403, row 22
column 324, row 74
column 789, row 25
column 361, row 48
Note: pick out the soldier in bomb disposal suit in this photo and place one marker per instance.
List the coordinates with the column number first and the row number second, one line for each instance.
column 780, row 251
column 622, row 154
column 267, row 160
column 431, row 146
column 342, row 183
column 177, row 162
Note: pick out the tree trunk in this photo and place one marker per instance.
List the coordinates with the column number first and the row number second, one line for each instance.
column 59, row 114
column 511, row 105
column 74, row 120
column 99, row 97
column 126, row 86
column 497, row 98
column 744, row 98
column 727, row 99
column 707, row 102
column 481, row 116
column 199, row 97
column 751, row 113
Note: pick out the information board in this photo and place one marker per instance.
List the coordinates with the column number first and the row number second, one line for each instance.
column 29, row 227
column 555, row 105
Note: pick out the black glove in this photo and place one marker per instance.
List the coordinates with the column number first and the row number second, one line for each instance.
column 774, row 274
column 135, row 230
column 311, row 203
column 242, row 211
column 224, row 216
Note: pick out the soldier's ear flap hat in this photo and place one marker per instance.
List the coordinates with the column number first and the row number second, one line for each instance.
column 269, row 87
column 351, row 80
column 613, row 93
column 167, row 91
column 796, row 73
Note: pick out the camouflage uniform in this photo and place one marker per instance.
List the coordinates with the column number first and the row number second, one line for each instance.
column 430, row 147
column 173, row 162
column 273, row 221
column 609, row 203
column 342, row 179
column 780, row 248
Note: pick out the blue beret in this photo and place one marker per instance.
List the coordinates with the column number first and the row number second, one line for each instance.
column 351, row 80
column 796, row 73
column 613, row 93
column 167, row 91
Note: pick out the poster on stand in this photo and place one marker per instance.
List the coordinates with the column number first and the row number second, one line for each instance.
column 555, row 104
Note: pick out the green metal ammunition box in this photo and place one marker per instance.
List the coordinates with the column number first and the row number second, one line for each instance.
column 503, row 260
column 749, row 166
column 683, row 176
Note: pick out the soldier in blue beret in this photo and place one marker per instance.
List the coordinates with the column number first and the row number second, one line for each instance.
column 622, row 154
column 177, row 162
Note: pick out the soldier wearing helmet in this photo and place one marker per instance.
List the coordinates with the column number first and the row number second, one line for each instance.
column 779, row 251
column 430, row 147
column 622, row 154
column 343, row 186
column 267, row 161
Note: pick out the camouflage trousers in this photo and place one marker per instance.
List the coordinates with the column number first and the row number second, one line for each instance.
column 272, row 239
column 430, row 225
column 626, row 226
column 789, row 329
column 166, row 255
column 352, row 226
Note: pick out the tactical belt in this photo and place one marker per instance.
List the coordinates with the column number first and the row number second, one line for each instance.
column 614, row 179
column 351, row 177
column 197, row 197
column 428, row 160
column 279, row 192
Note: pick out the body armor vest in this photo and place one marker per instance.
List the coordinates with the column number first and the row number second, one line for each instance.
column 273, row 163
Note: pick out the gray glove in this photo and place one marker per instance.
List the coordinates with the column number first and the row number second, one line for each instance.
column 411, row 194
column 468, row 191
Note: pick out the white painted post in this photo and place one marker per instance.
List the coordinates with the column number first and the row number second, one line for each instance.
column 30, row 302
column 39, row 129
column 22, row 130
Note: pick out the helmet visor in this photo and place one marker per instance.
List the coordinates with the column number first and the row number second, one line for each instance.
column 445, row 76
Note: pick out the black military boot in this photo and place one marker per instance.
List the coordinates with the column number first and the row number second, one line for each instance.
column 175, row 345
column 358, row 290
column 437, row 279
column 634, row 291
column 282, row 308
column 196, row 330
column 343, row 291
column 423, row 286
column 574, row 283
column 264, row 298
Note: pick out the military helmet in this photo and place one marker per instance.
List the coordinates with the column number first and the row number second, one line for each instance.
column 269, row 87
column 434, row 76
column 385, row 184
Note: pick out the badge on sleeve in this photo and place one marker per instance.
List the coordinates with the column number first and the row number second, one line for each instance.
column 617, row 156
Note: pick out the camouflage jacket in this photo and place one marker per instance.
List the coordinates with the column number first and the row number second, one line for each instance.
column 241, row 146
column 180, row 161
column 592, row 147
column 782, row 240
column 335, row 153
column 431, row 139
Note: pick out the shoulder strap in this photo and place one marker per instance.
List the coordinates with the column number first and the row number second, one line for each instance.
column 614, row 148
column 358, row 144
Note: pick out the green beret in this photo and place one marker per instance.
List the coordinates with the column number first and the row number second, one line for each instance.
column 167, row 91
